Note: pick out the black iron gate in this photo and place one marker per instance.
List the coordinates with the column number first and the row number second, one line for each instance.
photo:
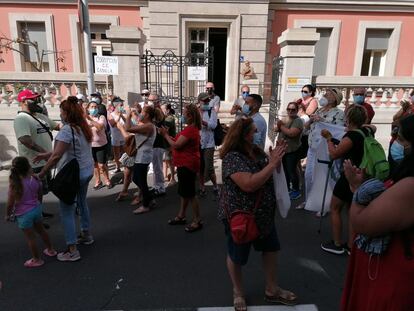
column 274, row 106
column 167, row 76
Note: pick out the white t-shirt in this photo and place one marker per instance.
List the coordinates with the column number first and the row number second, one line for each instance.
column 83, row 149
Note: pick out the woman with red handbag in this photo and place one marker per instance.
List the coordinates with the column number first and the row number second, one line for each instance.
column 247, row 208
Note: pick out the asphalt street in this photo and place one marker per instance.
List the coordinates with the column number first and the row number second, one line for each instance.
column 139, row 262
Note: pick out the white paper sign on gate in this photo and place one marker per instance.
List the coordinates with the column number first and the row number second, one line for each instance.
column 106, row 65
column 197, row 73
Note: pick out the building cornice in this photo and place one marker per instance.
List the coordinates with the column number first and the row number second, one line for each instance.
column 346, row 5
column 132, row 3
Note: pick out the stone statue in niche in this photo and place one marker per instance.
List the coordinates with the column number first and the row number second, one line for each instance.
column 247, row 71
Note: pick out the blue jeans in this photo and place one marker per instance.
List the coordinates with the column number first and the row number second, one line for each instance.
column 67, row 212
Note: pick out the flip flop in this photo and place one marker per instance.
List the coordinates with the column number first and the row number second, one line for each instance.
column 191, row 228
column 98, row 186
column 239, row 303
column 33, row 263
column 141, row 210
column 121, row 197
column 50, row 253
column 177, row 221
column 282, row 296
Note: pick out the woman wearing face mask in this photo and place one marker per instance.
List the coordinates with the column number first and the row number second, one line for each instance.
column 248, row 186
column 328, row 113
column 308, row 99
column 291, row 132
column 145, row 133
column 118, row 141
column 97, row 123
column 381, row 278
column 186, row 156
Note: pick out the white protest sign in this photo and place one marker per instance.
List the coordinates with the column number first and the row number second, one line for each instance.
column 106, row 65
column 197, row 73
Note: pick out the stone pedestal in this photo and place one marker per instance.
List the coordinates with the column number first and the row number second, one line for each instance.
column 125, row 44
column 298, row 50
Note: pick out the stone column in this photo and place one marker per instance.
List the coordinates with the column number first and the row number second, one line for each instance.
column 125, row 44
column 298, row 50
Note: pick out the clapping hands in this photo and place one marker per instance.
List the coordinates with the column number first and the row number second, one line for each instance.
column 277, row 153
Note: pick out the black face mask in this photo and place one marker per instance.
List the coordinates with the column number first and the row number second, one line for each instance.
column 33, row 106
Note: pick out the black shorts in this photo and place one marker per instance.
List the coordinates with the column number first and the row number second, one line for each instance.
column 239, row 253
column 342, row 191
column 100, row 154
column 186, row 182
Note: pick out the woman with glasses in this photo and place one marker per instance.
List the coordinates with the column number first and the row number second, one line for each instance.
column 291, row 132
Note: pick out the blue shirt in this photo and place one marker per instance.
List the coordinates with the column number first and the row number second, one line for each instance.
column 261, row 125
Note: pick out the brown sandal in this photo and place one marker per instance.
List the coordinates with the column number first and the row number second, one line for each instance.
column 282, row 296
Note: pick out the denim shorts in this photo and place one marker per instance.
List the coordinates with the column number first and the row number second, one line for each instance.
column 239, row 253
column 27, row 220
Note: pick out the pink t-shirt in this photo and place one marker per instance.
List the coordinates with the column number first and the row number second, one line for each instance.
column 29, row 199
column 99, row 137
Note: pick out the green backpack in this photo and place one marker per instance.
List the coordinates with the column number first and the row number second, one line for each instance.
column 374, row 160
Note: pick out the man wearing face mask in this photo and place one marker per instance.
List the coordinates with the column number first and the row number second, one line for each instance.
column 145, row 95
column 359, row 99
column 251, row 109
column 214, row 99
column 239, row 102
column 33, row 132
column 207, row 144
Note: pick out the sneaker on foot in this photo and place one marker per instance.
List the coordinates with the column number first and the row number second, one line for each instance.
column 294, row 195
column 85, row 239
column 332, row 248
column 69, row 256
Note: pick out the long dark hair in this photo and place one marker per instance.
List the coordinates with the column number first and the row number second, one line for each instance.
column 193, row 111
column 20, row 168
column 235, row 139
column 406, row 167
column 75, row 116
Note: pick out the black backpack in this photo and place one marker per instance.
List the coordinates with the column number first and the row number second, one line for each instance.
column 218, row 132
column 65, row 184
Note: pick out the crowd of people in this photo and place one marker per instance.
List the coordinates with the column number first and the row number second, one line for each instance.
column 142, row 137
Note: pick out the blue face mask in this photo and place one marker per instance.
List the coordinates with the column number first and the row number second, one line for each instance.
column 183, row 120
column 93, row 112
column 246, row 109
column 305, row 94
column 397, row 151
column 359, row 99
column 245, row 94
column 205, row 107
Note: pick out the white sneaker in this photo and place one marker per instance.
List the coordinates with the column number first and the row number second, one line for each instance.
column 69, row 256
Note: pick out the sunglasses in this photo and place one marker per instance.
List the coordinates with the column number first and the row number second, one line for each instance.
column 245, row 92
column 306, row 92
column 144, row 94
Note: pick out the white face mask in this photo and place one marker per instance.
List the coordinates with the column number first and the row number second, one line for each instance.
column 323, row 101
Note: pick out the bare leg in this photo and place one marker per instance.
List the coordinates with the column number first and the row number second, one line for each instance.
column 117, row 155
column 43, row 234
column 104, row 170
column 201, row 179
column 196, row 210
column 183, row 207
column 31, row 241
column 127, row 180
column 172, row 170
column 235, row 272
column 96, row 174
column 336, row 220
column 269, row 267
column 214, row 180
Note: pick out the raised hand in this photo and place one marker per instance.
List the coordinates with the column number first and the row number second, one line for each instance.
column 354, row 175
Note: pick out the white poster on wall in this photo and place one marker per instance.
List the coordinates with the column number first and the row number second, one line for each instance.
column 197, row 73
column 106, row 65
column 295, row 84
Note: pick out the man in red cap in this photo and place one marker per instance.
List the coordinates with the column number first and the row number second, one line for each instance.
column 33, row 131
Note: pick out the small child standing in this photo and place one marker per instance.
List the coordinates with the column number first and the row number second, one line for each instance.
column 25, row 195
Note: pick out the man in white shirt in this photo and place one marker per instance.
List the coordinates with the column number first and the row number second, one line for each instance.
column 214, row 99
column 239, row 102
column 207, row 144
